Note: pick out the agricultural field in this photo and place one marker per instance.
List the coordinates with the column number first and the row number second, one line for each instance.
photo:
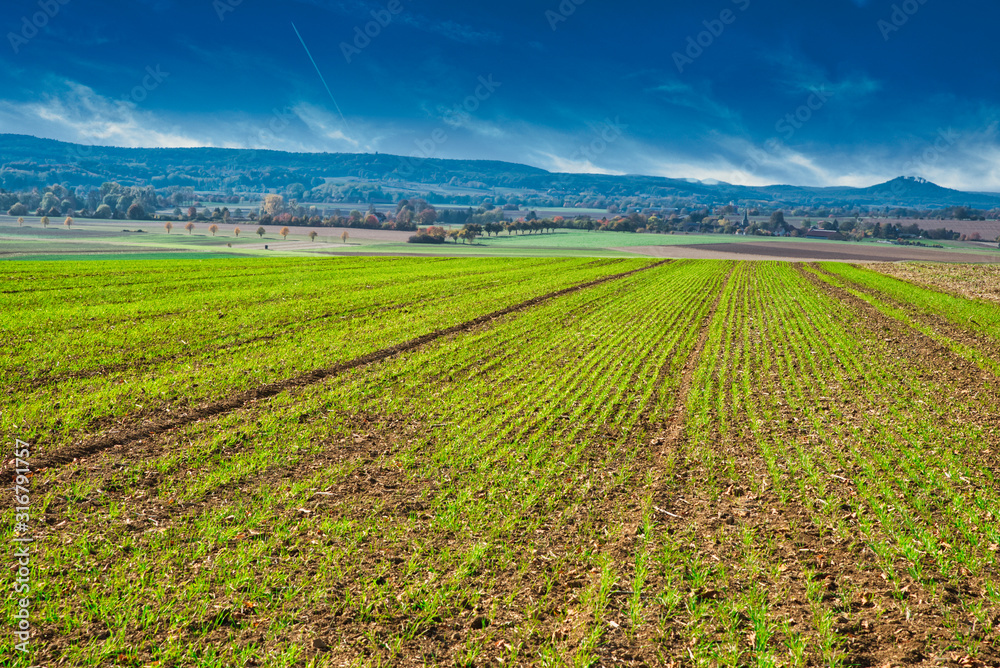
column 134, row 240
column 490, row 461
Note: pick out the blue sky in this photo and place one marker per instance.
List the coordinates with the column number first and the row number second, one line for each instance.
column 824, row 92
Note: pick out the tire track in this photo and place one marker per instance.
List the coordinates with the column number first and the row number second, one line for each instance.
column 158, row 425
column 963, row 369
column 673, row 431
column 981, row 341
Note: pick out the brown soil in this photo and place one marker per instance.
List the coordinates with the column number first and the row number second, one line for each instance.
column 979, row 342
column 971, row 282
column 809, row 251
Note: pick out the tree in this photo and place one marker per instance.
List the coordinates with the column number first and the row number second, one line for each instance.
column 472, row 231
column 213, row 229
column 284, row 233
column 260, row 232
column 68, row 222
column 136, row 212
column 192, row 213
column 18, row 209
column 429, row 216
column 168, row 226
column 274, row 205
column 312, row 235
column 343, row 237
column 103, row 211
column 20, row 222
column 189, row 227
column 237, row 231
column 45, row 221
column 777, row 219
column 454, row 235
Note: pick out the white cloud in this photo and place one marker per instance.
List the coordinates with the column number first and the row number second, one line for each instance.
column 83, row 116
column 701, row 100
column 326, row 125
column 557, row 163
column 965, row 160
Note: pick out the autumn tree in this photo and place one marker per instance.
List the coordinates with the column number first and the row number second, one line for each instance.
column 189, row 227
column 274, row 205
column 213, row 229
column 168, row 226
column 20, row 222
column 312, row 235
column 284, row 233
column 343, row 237
column 136, row 212
column 68, row 222
column 45, row 221
column 260, row 232
column 237, row 231
column 192, row 213
column 428, row 216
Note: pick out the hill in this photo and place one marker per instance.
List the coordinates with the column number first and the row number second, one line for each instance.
column 27, row 162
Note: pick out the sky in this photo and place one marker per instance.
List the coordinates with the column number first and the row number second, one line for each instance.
column 755, row 92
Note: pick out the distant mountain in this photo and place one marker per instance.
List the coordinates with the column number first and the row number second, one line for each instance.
column 29, row 161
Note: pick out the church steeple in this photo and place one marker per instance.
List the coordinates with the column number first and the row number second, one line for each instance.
column 746, row 217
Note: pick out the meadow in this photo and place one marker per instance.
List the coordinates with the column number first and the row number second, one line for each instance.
column 89, row 239
column 495, row 461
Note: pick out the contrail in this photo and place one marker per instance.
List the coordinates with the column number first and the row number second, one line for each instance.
column 342, row 117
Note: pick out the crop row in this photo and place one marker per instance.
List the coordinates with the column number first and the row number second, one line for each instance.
column 90, row 358
column 385, row 510
column 874, row 461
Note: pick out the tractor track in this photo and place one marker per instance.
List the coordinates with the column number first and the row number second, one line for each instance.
column 166, row 422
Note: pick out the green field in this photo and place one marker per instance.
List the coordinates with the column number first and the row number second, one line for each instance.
column 123, row 240
column 496, row 461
